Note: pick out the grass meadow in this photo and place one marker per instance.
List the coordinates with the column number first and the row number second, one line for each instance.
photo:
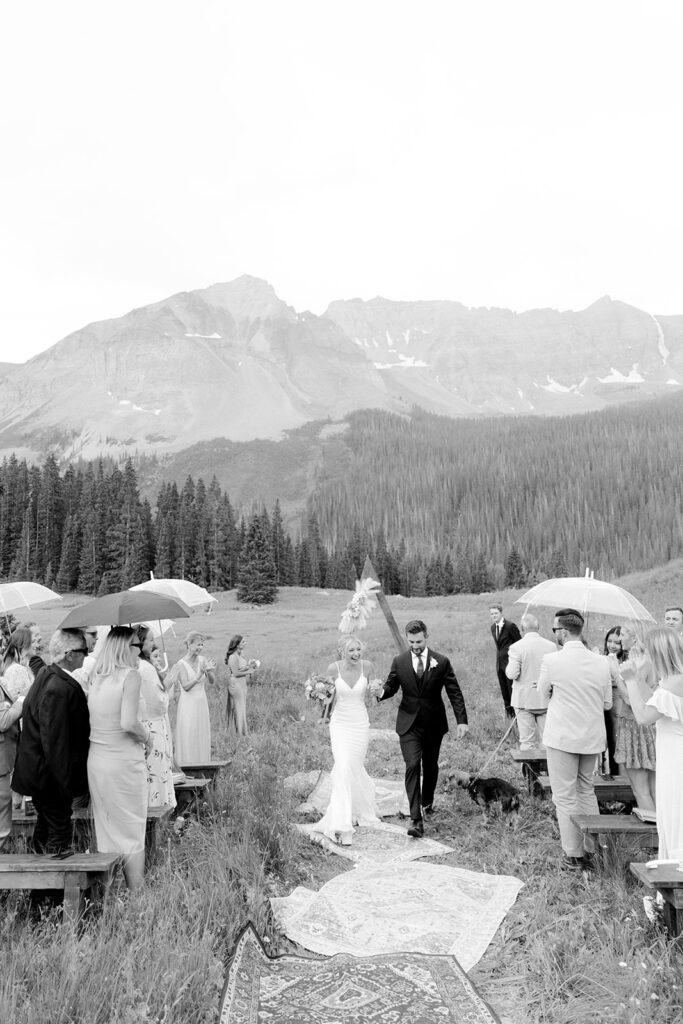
column 572, row 949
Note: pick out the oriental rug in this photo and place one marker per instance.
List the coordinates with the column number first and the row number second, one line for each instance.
column 378, row 844
column 410, row 988
column 427, row 908
column 390, row 796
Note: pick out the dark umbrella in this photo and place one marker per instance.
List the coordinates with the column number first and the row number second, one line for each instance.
column 125, row 608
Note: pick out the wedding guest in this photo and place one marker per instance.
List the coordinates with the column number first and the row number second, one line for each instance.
column 523, row 668
column 159, row 757
column 35, row 661
column 193, row 723
column 635, row 747
column 116, row 760
column 84, row 674
column 578, row 686
column 664, row 709
column 17, row 676
column 10, row 714
column 52, row 754
column 504, row 634
column 614, row 652
column 240, row 672
column 673, row 617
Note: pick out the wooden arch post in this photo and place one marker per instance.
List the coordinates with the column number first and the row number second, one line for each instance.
column 399, row 639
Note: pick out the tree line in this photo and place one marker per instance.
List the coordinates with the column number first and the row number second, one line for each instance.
column 441, row 506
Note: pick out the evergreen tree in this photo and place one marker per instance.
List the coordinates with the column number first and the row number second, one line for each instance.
column 256, row 583
column 515, row 575
column 67, row 574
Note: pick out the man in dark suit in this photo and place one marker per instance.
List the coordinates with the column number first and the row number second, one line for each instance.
column 421, row 723
column 504, row 634
column 51, row 764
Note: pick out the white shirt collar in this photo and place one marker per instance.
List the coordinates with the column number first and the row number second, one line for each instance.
column 424, row 656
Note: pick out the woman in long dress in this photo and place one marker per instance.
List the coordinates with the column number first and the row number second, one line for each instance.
column 664, row 708
column 352, row 800
column 193, row 723
column 116, row 762
column 158, row 760
column 239, row 675
column 635, row 747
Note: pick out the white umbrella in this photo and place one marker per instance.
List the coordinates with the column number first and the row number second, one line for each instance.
column 586, row 594
column 191, row 594
column 21, row 594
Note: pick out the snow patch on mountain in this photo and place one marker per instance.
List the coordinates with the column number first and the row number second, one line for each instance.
column 208, row 337
column 616, row 377
column 405, row 362
column 562, row 389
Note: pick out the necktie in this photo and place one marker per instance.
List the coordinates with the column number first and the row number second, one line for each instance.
column 498, row 631
column 419, row 671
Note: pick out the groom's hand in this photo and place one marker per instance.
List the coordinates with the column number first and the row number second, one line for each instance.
column 462, row 731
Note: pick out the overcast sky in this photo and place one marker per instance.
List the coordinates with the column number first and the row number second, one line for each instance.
column 517, row 154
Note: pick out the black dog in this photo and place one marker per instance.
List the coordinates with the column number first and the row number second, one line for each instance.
column 490, row 794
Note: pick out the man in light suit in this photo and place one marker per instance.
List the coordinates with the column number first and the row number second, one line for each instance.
column 523, row 668
column 421, row 674
column 578, row 687
column 504, row 634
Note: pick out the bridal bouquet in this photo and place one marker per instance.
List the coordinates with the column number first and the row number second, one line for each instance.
column 359, row 607
column 253, row 663
column 319, row 688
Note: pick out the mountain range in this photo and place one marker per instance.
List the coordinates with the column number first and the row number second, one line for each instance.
column 234, row 361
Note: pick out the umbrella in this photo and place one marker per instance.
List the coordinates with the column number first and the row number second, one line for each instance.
column 124, row 608
column 24, row 595
column 586, row 594
column 193, row 595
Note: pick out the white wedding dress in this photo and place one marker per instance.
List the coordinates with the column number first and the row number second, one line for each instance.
column 352, row 800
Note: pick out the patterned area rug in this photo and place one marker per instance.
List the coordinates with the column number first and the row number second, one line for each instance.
column 409, row 988
column 381, row 844
column 390, row 796
column 427, row 908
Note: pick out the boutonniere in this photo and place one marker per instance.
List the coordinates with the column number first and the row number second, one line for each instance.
column 432, row 662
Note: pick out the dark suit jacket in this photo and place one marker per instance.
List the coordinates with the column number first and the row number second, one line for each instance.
column 424, row 697
column 509, row 634
column 55, row 738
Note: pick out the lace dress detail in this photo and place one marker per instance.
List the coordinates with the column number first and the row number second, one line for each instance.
column 352, row 800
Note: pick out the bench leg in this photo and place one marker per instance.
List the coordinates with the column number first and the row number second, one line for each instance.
column 73, row 900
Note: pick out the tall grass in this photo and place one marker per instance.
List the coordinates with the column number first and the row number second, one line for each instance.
column 571, row 949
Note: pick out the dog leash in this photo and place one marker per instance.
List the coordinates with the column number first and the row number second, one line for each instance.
column 488, row 762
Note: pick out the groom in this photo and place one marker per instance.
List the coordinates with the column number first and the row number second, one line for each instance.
column 421, row 721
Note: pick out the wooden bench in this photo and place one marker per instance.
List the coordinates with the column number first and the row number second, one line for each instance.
column 600, row 832
column 74, row 875
column 84, row 834
column 534, row 763
column 668, row 881
column 209, row 771
column 191, row 794
column 606, row 790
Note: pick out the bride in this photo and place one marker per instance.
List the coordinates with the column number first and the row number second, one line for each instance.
column 352, row 801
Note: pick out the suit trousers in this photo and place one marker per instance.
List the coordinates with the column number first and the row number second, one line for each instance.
column 53, row 832
column 530, row 725
column 505, row 689
column 420, row 748
column 571, row 780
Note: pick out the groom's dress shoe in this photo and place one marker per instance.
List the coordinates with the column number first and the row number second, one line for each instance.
column 417, row 829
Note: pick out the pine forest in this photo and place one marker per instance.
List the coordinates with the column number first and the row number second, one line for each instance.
column 440, row 505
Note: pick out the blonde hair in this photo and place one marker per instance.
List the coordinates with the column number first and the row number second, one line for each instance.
column 115, row 653
column 638, row 631
column 665, row 648
column 343, row 645
column 192, row 636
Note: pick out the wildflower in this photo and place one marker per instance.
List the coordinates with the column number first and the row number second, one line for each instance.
column 622, row 963
column 654, row 998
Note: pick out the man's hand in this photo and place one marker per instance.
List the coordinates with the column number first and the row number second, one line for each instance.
column 462, row 731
